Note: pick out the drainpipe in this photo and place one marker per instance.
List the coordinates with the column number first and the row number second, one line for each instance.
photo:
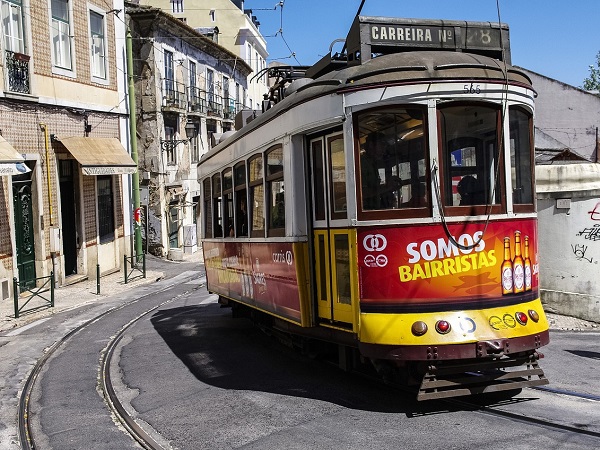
column 44, row 127
column 135, row 177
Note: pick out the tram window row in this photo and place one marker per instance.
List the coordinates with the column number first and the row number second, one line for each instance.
column 394, row 171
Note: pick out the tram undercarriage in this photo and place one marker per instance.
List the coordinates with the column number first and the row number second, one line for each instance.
column 494, row 369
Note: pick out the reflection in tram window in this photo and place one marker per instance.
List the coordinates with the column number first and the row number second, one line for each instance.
column 275, row 188
column 393, row 171
column 208, row 223
column 520, row 156
column 241, row 211
column 257, row 196
column 335, row 147
column 217, row 207
column 228, row 202
column 469, row 149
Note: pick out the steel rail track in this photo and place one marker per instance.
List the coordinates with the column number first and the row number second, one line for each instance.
column 26, row 436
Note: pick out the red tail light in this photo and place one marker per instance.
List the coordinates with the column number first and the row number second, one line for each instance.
column 442, row 326
column 521, row 318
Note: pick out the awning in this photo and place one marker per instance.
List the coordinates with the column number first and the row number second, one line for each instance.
column 100, row 156
column 13, row 168
column 8, row 154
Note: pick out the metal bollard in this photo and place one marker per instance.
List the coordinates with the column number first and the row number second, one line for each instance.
column 16, row 296
column 52, row 289
column 144, row 264
column 97, row 279
column 125, row 267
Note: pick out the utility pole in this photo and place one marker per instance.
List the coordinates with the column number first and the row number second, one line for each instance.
column 135, row 177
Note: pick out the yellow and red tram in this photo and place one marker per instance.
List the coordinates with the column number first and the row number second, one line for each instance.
column 384, row 202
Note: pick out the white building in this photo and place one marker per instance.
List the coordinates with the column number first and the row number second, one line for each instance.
column 183, row 83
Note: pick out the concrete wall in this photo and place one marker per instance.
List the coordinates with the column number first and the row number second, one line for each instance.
column 569, row 238
column 568, row 114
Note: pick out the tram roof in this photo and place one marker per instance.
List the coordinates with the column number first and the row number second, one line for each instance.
column 392, row 69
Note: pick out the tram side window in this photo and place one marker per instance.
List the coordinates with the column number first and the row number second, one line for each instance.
column 241, row 211
column 275, row 189
column 208, row 221
column 228, row 203
column 470, row 155
column 393, row 168
column 337, row 158
column 319, row 193
column 520, row 156
column 217, row 207
column 257, row 196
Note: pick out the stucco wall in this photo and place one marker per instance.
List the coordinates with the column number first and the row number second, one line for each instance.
column 569, row 239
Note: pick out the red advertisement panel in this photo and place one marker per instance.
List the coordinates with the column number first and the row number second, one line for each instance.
column 262, row 274
column 421, row 264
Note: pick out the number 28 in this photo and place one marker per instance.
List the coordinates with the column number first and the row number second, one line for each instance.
column 472, row 89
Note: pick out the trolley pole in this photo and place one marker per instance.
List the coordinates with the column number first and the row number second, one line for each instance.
column 135, row 177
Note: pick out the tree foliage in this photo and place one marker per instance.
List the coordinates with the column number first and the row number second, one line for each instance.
column 592, row 82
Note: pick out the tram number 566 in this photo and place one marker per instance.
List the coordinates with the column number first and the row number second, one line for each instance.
column 472, row 89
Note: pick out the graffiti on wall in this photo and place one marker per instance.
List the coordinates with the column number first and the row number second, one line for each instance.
column 579, row 252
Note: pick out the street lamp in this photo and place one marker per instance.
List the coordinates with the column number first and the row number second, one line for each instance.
column 190, row 131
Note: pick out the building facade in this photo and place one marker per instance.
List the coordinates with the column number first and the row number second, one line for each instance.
column 64, row 195
column 232, row 26
column 568, row 197
column 183, row 84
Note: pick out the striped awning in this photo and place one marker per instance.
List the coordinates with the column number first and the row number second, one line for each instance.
column 100, row 156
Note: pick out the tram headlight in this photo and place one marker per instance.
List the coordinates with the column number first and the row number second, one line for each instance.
column 533, row 315
column 442, row 326
column 521, row 318
column 419, row 328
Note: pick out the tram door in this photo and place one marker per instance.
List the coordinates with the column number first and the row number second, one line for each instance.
column 334, row 248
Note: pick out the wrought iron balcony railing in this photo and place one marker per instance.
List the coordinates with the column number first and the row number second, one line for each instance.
column 17, row 66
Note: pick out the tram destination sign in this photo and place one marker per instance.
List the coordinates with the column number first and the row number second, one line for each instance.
column 372, row 35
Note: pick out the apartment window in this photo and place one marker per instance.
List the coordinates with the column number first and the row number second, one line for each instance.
column 171, row 149
column 106, row 219
column 249, row 52
column 212, row 15
column 12, row 26
column 210, row 87
column 194, row 148
column 177, row 6
column 169, row 75
column 61, row 31
column 98, row 56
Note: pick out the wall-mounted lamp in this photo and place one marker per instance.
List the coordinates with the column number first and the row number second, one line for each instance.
column 191, row 131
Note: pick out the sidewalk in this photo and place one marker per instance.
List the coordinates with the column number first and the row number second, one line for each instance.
column 77, row 294
column 84, row 292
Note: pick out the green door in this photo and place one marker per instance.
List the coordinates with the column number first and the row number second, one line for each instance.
column 24, row 233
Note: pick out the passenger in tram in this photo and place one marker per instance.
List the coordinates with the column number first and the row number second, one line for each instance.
column 470, row 191
column 375, row 194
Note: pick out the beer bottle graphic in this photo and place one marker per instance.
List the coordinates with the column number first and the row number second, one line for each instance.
column 506, row 270
column 518, row 266
column 527, row 265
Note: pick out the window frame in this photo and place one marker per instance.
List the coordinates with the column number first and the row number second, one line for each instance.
column 14, row 40
column 398, row 213
column 472, row 210
column 217, row 205
column 100, row 64
column 106, row 211
column 207, row 205
column 227, row 199
column 524, row 207
column 240, row 187
column 270, row 179
column 253, row 185
column 63, row 63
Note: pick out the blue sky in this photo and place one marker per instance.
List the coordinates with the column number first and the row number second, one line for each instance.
column 558, row 39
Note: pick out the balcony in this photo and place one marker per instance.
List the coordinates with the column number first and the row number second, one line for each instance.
column 17, row 67
column 173, row 95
